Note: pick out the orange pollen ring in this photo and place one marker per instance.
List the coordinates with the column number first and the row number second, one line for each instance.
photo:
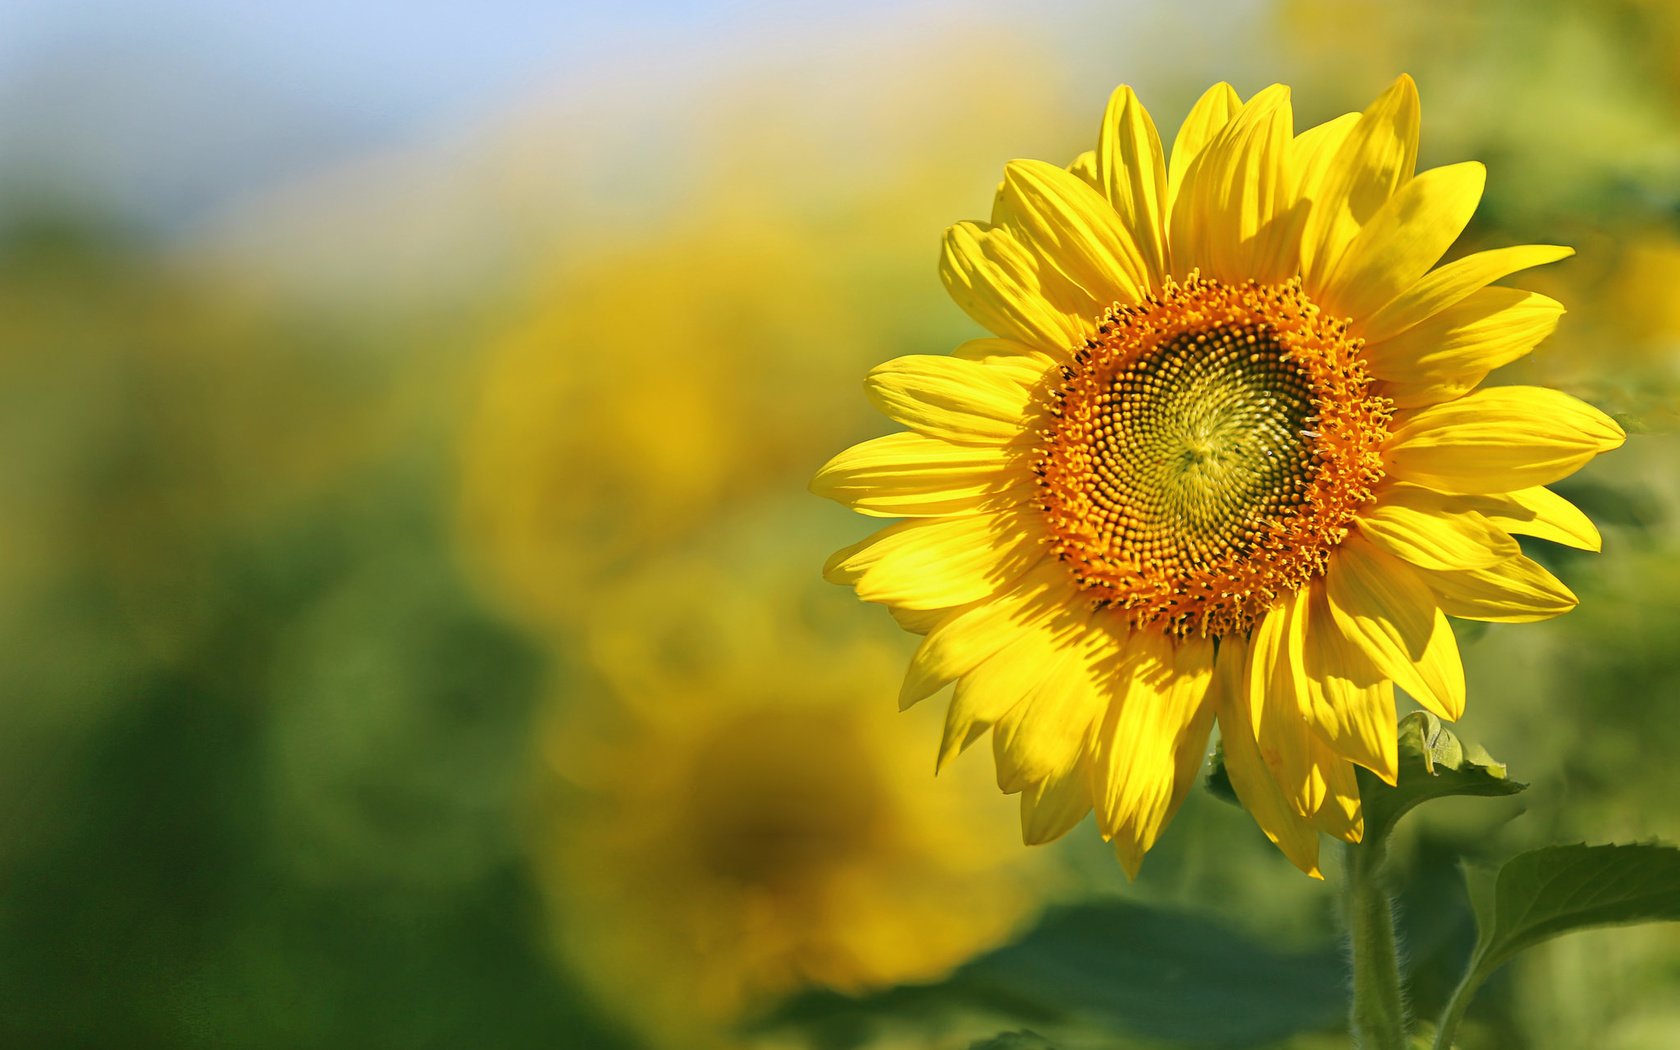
column 1206, row 451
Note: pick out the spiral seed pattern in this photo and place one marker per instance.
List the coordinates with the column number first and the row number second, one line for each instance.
column 1206, row 450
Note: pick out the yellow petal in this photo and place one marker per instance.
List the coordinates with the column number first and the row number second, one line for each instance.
column 1450, row 283
column 1084, row 168
column 949, row 398
column 1405, row 237
column 1250, row 778
column 1541, row 512
column 1193, row 750
column 994, row 688
column 1279, row 704
column 1233, row 218
column 962, row 640
column 1386, row 612
column 1340, row 814
column 940, row 563
column 1053, row 807
column 1072, row 230
column 1131, row 171
column 1315, row 149
column 1150, row 725
column 995, row 281
column 1434, row 531
column 1375, row 160
column 1518, row 590
column 1017, row 361
column 918, row 621
column 1352, row 705
column 1211, row 112
column 1450, row 353
column 909, row 475
column 1050, row 729
column 1498, row 440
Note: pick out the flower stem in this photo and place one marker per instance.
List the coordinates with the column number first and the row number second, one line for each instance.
column 1454, row 1013
column 1378, row 1015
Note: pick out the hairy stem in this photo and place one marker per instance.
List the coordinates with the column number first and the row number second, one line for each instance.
column 1378, row 1014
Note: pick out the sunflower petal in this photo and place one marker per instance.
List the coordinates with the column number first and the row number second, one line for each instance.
column 1352, row 705
column 1434, row 531
column 1131, row 170
column 946, row 397
column 1376, row 158
column 1388, row 615
column 986, row 693
column 939, row 563
column 1340, row 814
column 966, row 637
column 1018, row 361
column 1084, row 168
column 1499, row 439
column 910, row 475
column 1279, row 704
column 1234, row 217
column 995, row 281
column 1314, row 149
column 1211, row 112
column 1049, row 731
column 1448, row 284
column 1054, row 806
column 1250, row 778
column 1405, row 237
column 1147, row 734
column 1071, row 229
column 1450, row 353
column 1517, row 590
column 918, row 621
column 1541, row 512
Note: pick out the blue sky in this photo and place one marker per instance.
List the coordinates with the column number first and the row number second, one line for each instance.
column 162, row 109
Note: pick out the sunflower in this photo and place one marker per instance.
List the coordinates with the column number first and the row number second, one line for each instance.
column 1224, row 459
column 720, row 828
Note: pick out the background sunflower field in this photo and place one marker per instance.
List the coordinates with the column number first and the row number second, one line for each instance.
column 413, row 626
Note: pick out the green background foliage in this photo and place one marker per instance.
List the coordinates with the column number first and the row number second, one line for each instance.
column 269, row 740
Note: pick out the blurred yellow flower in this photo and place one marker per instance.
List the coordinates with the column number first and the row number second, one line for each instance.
column 1224, row 458
column 633, row 406
column 742, row 822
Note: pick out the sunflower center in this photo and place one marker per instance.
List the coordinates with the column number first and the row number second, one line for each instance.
column 1207, row 449
column 782, row 796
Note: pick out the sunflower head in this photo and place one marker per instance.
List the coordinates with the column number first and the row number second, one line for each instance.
column 1206, row 450
column 1225, row 456
column 719, row 829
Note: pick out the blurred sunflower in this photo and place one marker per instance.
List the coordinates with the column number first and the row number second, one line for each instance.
column 1224, row 459
column 564, row 489
column 734, row 825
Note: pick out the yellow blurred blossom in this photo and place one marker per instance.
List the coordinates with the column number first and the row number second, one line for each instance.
column 742, row 820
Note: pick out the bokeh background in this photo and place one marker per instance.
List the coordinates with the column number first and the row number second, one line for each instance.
column 412, row 632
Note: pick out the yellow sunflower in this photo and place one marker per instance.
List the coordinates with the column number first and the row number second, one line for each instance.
column 1224, row 459
column 721, row 827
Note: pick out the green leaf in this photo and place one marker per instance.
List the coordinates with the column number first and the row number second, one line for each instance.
column 1434, row 763
column 1022, row 1040
column 1542, row 893
column 1113, row 966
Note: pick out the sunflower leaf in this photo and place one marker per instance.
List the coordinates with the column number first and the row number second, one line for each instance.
column 1545, row 892
column 1110, row 972
column 1542, row 893
column 1434, row 763
column 1022, row 1040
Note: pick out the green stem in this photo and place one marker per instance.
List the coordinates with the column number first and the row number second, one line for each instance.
column 1460, row 1001
column 1379, row 1014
